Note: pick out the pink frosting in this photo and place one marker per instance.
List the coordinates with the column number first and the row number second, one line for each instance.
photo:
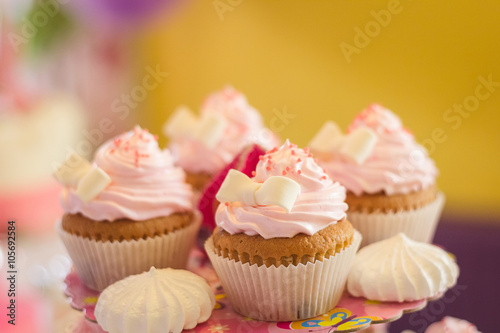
column 397, row 165
column 452, row 325
column 145, row 184
column 245, row 127
column 320, row 203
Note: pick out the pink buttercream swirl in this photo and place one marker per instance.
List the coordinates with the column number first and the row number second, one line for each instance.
column 145, row 184
column 397, row 164
column 320, row 203
column 244, row 127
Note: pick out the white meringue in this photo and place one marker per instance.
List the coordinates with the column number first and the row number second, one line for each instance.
column 400, row 269
column 161, row 300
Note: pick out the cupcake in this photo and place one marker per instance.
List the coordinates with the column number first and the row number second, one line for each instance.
column 204, row 145
column 128, row 211
column 282, row 247
column 390, row 179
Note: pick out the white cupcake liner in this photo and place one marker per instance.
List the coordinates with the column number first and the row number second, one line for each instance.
column 100, row 264
column 284, row 293
column 418, row 224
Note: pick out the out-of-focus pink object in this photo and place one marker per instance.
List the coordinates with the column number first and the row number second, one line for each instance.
column 452, row 325
column 35, row 208
column 246, row 161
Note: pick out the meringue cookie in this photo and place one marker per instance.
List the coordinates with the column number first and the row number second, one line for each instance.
column 161, row 300
column 400, row 269
column 452, row 325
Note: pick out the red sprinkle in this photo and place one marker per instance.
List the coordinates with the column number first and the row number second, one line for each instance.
column 306, row 150
column 111, row 151
column 309, row 155
column 261, row 157
column 299, row 160
column 299, row 172
column 117, row 142
column 268, row 168
column 293, row 152
column 155, row 137
column 269, row 157
column 287, row 168
column 284, row 172
column 253, row 173
column 323, row 177
column 226, row 203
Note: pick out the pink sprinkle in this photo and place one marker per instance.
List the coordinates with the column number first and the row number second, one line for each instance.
column 117, row 142
column 323, row 177
column 144, row 155
column 156, row 137
column 316, row 160
column 253, row 173
column 284, row 172
column 261, row 157
column 269, row 162
column 268, row 168
column 269, row 157
column 306, row 150
column 386, row 130
column 136, row 153
column 293, row 152
column 299, row 160
column 309, row 155
column 287, row 168
column 324, row 170
column 226, row 203
column 299, row 172
column 275, row 149
column 126, row 148
column 111, row 151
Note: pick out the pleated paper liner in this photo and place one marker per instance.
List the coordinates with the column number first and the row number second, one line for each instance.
column 284, row 293
column 418, row 224
column 100, row 264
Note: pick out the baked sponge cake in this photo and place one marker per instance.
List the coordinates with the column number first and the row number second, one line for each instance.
column 282, row 247
column 129, row 210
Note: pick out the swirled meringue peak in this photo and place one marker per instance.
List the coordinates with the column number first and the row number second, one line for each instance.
column 399, row 269
column 161, row 300
column 452, row 325
column 319, row 204
column 243, row 126
column 144, row 182
column 397, row 163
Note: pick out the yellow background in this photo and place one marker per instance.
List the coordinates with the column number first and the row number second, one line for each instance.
column 287, row 54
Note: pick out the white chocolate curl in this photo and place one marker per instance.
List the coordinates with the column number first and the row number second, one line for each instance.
column 72, row 170
column 181, row 123
column 93, row 183
column 327, row 139
column 211, row 129
column 208, row 129
column 357, row 146
column 276, row 190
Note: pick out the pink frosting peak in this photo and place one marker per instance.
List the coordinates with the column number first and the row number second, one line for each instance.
column 144, row 182
column 244, row 127
column 320, row 203
column 452, row 325
column 397, row 165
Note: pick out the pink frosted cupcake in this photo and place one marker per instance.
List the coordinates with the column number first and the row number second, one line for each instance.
column 128, row 211
column 204, row 145
column 282, row 247
column 390, row 179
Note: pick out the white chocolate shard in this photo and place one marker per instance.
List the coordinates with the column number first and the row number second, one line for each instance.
column 328, row 138
column 93, row 183
column 359, row 144
column 238, row 187
column 211, row 129
column 72, row 170
column 183, row 122
column 279, row 191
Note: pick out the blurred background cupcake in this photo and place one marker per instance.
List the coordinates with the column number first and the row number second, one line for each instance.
column 390, row 179
column 204, row 145
column 130, row 211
